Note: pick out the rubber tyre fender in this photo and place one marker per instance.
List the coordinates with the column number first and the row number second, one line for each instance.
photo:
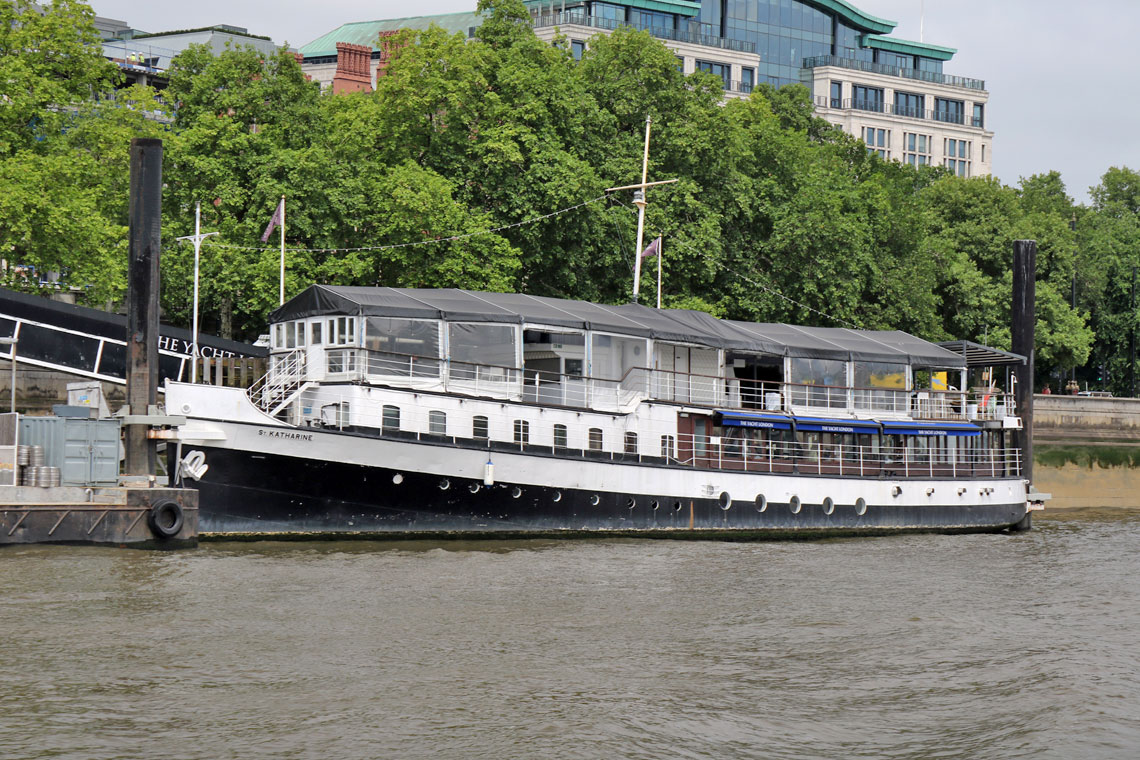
column 165, row 518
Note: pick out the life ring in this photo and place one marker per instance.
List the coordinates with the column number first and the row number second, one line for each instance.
column 165, row 518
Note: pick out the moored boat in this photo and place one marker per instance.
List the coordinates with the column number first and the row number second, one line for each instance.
column 408, row 412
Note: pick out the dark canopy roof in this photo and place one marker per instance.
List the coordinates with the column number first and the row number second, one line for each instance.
column 675, row 325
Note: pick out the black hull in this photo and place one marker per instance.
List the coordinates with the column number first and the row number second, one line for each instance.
column 255, row 495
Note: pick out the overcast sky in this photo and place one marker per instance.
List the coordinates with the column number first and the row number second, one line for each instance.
column 1061, row 74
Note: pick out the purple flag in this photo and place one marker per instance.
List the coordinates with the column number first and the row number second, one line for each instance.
column 278, row 217
column 652, row 249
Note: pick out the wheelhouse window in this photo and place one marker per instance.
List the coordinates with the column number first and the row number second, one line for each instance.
column 341, row 331
column 391, row 418
column 316, row 341
column 595, row 440
column 522, row 431
column 560, row 437
column 479, row 427
column 437, row 423
column 340, row 361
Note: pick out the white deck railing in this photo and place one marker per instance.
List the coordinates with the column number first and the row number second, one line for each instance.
column 926, row 457
column 642, row 384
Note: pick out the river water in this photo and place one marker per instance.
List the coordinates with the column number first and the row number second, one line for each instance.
column 990, row 646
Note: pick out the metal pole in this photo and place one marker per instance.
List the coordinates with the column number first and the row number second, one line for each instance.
column 282, row 289
column 142, row 298
column 1024, row 317
column 660, row 245
column 197, row 239
column 639, row 201
column 197, row 252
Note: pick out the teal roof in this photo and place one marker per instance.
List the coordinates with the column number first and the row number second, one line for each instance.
column 367, row 32
column 906, row 47
column 854, row 17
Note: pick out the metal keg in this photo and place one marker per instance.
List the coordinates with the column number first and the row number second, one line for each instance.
column 22, row 452
column 49, row 477
column 36, row 456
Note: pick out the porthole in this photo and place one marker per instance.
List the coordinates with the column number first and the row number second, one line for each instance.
column 725, row 500
column 594, row 500
column 444, row 484
column 516, row 492
column 655, row 505
column 630, row 503
column 397, row 478
column 860, row 506
column 829, row 506
column 473, row 488
column 676, row 506
column 557, row 497
column 795, row 505
column 761, row 502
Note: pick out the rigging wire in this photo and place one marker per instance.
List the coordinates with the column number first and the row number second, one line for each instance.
column 433, row 241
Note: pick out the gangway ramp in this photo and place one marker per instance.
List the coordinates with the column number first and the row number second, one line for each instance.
column 93, row 343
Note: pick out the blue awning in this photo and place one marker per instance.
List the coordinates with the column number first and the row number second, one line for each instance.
column 816, row 425
column 763, row 421
column 931, row 428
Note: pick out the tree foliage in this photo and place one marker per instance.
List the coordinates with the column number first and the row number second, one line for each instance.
column 775, row 215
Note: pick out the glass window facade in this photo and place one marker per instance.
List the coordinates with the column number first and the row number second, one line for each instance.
column 957, row 154
column 867, row 98
column 910, row 104
column 577, row 48
column 837, row 94
column 722, row 70
column 878, row 141
column 916, row 148
column 950, row 111
column 979, row 115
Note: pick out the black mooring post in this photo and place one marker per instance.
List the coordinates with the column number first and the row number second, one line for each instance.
column 1024, row 317
column 142, row 298
column 1132, row 341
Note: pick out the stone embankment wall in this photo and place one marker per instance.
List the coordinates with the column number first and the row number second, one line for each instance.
column 38, row 389
column 1087, row 451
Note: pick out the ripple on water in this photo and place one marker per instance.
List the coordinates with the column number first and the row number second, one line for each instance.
column 988, row 646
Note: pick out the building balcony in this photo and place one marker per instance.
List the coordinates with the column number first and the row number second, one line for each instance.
column 694, row 33
column 874, row 106
column 895, row 71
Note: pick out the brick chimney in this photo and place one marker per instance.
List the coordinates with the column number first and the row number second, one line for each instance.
column 387, row 47
column 353, row 68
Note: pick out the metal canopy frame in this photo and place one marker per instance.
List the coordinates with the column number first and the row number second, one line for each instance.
column 977, row 355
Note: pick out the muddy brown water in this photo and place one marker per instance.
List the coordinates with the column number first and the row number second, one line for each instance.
column 986, row 646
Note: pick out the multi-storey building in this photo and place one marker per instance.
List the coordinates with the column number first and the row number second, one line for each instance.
column 891, row 93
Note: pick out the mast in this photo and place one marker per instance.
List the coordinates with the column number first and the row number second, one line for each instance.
column 639, row 201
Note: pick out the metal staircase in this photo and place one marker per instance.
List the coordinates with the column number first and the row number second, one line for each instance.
column 280, row 385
